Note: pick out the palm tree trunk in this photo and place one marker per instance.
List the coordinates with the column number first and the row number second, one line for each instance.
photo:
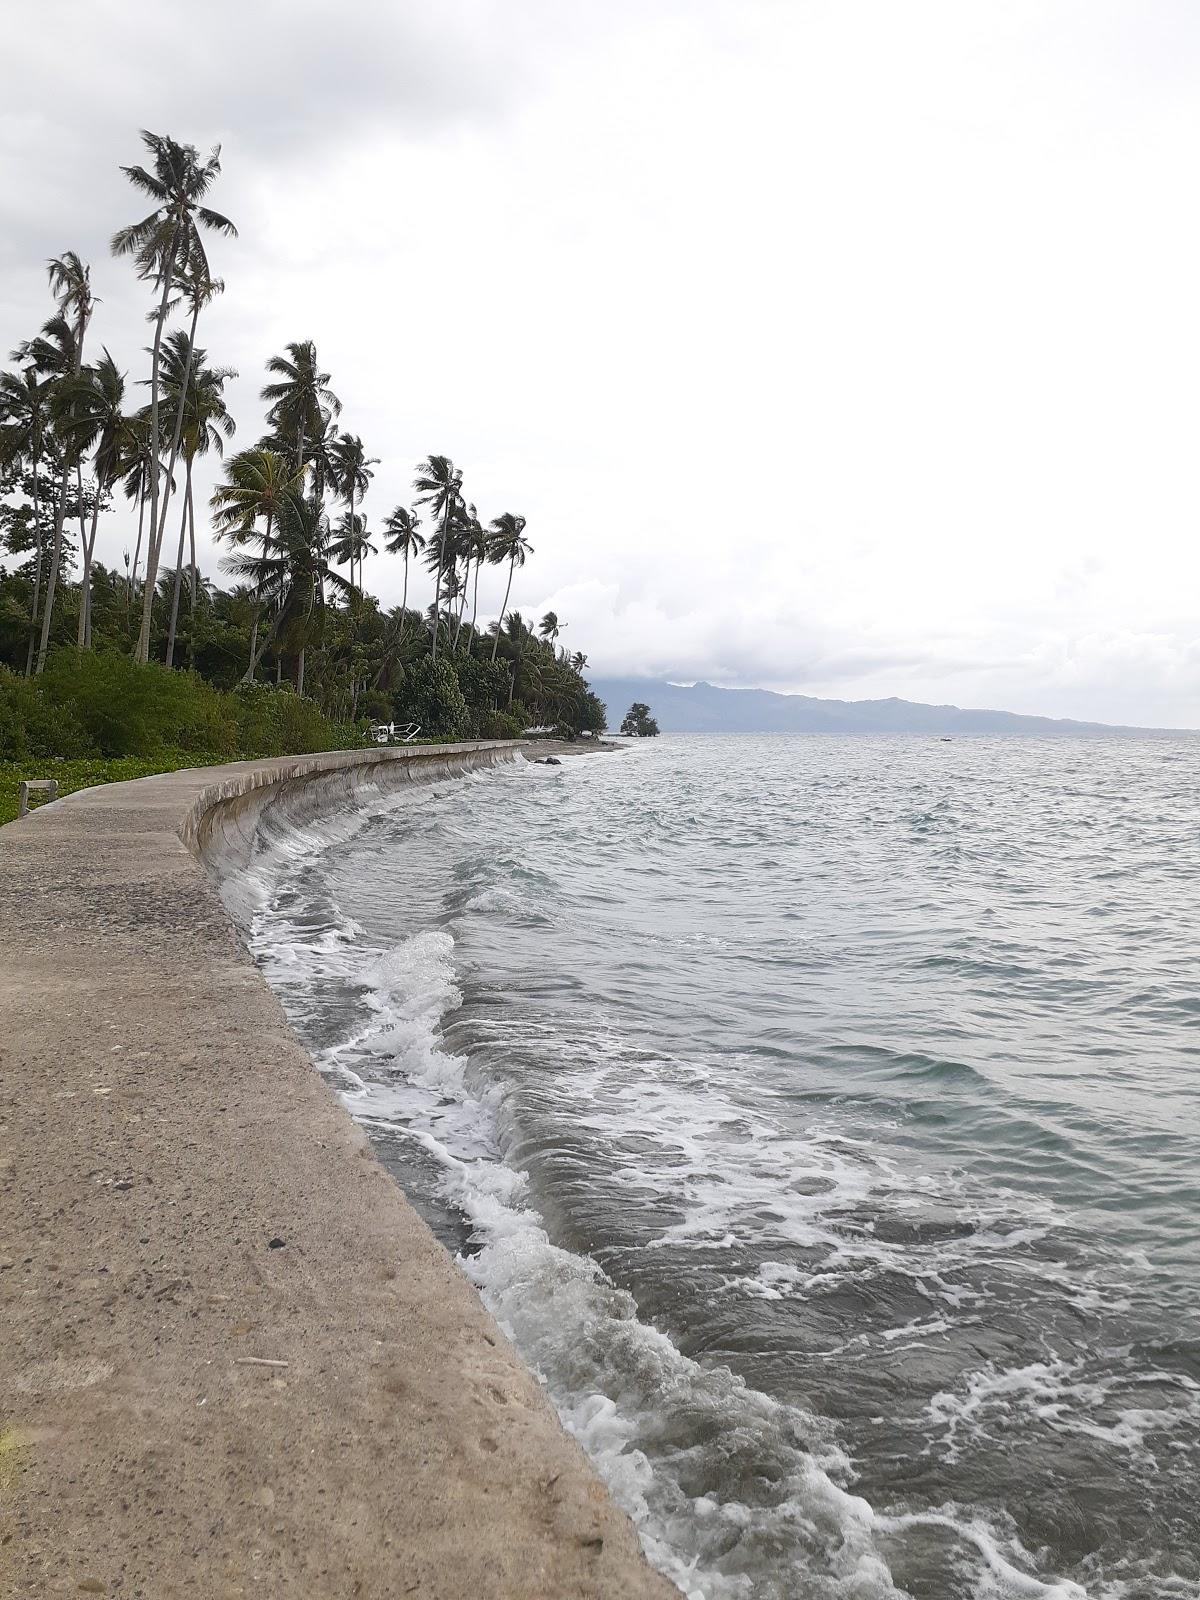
column 40, row 560
column 351, row 535
column 176, row 587
column 475, row 600
column 191, row 577
column 84, row 631
column 143, row 645
column 503, row 609
column 60, row 517
column 300, row 672
column 255, row 651
column 154, row 553
column 462, row 606
column 87, row 632
column 437, row 593
column 137, row 555
column 82, row 514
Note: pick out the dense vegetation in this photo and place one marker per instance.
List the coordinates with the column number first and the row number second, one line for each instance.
column 291, row 652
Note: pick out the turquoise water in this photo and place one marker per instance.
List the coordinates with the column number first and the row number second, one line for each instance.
column 821, row 1116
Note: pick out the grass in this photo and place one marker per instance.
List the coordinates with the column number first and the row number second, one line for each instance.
column 72, row 775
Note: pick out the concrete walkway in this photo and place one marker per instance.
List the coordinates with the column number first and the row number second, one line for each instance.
column 234, row 1362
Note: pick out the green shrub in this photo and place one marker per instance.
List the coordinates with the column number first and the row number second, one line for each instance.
column 498, row 725
column 430, row 695
column 105, row 705
column 127, row 709
column 13, row 740
column 375, row 706
column 484, row 684
column 275, row 721
column 33, row 725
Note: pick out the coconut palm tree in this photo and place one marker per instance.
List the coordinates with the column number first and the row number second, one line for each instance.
column 447, row 555
column 168, row 239
column 397, row 648
column 54, row 356
column 508, row 544
column 135, row 484
column 352, row 545
column 58, row 355
column 197, row 391
column 453, row 588
column 260, row 488
column 301, row 403
column 438, row 484
column 402, row 539
column 350, row 476
column 24, row 436
column 474, row 544
column 295, row 571
column 549, row 627
column 93, row 418
column 176, row 359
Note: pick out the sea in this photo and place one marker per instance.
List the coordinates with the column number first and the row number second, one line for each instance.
column 820, row 1117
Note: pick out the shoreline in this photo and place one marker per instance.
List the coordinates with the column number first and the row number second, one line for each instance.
column 236, row 1358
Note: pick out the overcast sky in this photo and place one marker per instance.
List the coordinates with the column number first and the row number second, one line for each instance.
column 847, row 346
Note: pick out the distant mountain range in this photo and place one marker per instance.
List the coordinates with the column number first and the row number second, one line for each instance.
column 703, row 708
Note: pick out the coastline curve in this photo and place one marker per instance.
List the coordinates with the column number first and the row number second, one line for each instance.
column 236, row 1360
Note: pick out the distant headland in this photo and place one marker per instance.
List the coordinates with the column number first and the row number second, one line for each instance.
column 704, row 708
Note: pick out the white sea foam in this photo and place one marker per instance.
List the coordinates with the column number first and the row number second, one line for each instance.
column 1061, row 1396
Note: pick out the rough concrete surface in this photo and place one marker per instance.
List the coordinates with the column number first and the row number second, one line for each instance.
column 234, row 1361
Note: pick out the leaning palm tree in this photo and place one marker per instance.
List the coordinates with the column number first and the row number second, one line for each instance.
column 259, row 490
column 301, row 403
column 404, row 540
column 350, row 476
column 25, row 421
column 549, row 627
column 438, row 484
column 508, row 544
column 169, row 238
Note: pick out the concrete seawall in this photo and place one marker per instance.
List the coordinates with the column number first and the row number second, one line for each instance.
column 235, row 1362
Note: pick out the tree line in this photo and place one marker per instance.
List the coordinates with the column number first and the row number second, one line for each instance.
column 289, row 511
